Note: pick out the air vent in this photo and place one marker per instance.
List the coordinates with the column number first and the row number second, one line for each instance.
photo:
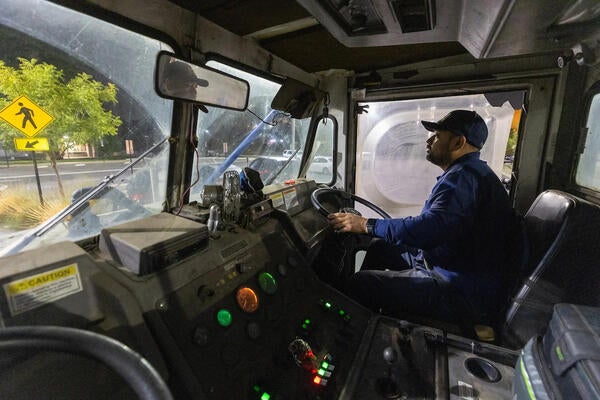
column 414, row 15
column 356, row 17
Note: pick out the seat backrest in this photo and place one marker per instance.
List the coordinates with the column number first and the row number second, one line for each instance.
column 545, row 223
column 563, row 234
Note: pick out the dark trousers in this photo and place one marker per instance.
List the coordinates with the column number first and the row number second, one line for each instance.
column 394, row 280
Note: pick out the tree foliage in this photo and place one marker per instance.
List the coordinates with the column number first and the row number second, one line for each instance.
column 77, row 105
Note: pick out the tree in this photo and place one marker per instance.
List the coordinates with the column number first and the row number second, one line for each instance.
column 76, row 105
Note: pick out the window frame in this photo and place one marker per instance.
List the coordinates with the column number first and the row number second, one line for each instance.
column 583, row 191
column 312, row 134
column 536, row 131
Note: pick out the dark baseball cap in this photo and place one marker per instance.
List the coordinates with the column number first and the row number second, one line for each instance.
column 184, row 71
column 462, row 122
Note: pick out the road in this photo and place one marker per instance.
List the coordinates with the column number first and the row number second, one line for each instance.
column 90, row 172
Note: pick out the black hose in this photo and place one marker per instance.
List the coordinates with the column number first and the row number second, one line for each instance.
column 132, row 367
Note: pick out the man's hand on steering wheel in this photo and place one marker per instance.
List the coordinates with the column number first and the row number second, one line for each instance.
column 347, row 222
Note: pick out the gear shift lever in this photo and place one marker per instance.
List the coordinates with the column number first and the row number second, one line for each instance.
column 387, row 384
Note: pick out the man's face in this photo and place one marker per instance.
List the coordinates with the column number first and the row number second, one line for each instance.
column 181, row 88
column 439, row 147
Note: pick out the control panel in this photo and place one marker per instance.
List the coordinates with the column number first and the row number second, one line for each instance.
column 403, row 360
column 262, row 326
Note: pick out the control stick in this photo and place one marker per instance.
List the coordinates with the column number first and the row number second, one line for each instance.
column 390, row 355
column 387, row 385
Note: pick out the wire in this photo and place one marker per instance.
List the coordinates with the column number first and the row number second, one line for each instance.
column 181, row 200
column 265, row 122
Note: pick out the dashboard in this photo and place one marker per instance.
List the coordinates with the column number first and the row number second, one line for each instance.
column 234, row 314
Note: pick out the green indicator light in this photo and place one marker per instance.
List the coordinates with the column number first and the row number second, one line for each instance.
column 321, row 372
column 327, row 304
column 304, row 326
column 342, row 313
column 267, row 283
column 324, row 365
column 265, row 396
column 256, row 388
column 224, row 317
column 307, row 321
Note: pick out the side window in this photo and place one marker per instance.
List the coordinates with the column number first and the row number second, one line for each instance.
column 322, row 166
column 391, row 168
column 588, row 167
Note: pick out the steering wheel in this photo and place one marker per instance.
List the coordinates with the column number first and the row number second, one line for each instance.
column 344, row 196
column 133, row 368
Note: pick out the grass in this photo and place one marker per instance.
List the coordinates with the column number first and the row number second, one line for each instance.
column 20, row 207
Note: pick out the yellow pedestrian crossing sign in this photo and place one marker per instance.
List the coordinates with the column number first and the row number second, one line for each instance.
column 26, row 116
column 36, row 144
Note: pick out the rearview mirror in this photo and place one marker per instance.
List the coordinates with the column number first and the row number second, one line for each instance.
column 180, row 80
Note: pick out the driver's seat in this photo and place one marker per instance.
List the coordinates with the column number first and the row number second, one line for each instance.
column 563, row 236
column 549, row 227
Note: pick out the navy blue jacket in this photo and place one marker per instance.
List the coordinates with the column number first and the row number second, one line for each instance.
column 463, row 230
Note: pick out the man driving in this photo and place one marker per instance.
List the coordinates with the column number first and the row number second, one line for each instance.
column 451, row 260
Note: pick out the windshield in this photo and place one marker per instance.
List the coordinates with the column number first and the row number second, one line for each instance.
column 77, row 105
column 260, row 138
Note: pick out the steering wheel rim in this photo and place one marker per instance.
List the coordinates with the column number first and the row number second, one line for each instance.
column 139, row 374
column 314, row 198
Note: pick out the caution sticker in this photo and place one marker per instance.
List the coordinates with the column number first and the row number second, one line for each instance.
column 277, row 200
column 291, row 198
column 37, row 290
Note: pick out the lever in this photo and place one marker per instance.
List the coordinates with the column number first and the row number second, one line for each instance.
column 387, row 384
column 213, row 218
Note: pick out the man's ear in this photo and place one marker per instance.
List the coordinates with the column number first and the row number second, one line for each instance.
column 460, row 142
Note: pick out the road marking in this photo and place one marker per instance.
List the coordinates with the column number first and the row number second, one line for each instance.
column 61, row 174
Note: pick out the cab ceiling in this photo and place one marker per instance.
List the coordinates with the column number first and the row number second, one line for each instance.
column 286, row 29
column 386, row 33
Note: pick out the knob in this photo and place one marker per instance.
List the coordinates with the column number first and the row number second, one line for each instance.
column 243, row 267
column 302, row 354
column 390, row 355
column 387, row 384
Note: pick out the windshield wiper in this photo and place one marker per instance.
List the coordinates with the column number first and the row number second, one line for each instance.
column 280, row 170
column 78, row 203
column 248, row 140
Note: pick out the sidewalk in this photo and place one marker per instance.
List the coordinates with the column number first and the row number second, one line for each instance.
column 59, row 162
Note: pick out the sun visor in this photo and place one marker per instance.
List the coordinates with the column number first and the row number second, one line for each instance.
column 297, row 99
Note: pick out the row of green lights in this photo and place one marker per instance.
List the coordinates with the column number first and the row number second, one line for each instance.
column 306, row 324
column 264, row 396
column 328, row 305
